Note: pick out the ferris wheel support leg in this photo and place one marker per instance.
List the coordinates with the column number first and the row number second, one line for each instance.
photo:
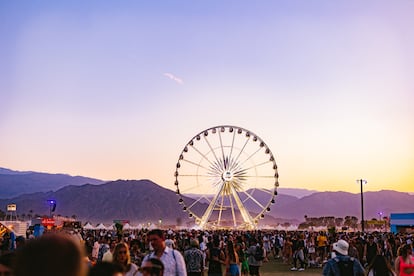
column 245, row 214
column 207, row 214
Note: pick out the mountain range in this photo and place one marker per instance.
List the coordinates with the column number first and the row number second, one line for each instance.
column 141, row 201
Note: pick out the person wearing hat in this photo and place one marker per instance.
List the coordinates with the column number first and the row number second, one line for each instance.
column 341, row 264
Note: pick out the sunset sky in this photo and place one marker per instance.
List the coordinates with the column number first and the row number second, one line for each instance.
column 115, row 89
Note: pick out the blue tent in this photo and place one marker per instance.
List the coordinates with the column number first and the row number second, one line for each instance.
column 401, row 221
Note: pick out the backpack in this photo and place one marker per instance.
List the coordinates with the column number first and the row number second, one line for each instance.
column 346, row 268
column 258, row 254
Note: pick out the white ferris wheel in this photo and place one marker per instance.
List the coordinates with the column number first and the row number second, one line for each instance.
column 226, row 177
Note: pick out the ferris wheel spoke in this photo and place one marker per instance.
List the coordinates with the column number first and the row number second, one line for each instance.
column 250, row 156
column 270, row 192
column 195, row 164
column 259, row 176
column 203, row 155
column 222, row 152
column 232, row 146
column 197, row 201
column 255, row 166
column 215, row 168
column 240, row 152
column 212, row 150
column 253, row 199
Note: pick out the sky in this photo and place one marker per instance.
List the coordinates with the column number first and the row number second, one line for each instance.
column 116, row 89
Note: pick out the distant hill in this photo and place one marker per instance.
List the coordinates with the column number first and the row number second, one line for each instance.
column 296, row 192
column 14, row 183
column 137, row 201
column 143, row 200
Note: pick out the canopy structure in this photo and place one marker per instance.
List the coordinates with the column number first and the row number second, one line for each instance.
column 88, row 226
column 127, row 226
column 100, row 226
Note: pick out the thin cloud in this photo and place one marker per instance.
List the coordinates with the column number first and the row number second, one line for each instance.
column 174, row 78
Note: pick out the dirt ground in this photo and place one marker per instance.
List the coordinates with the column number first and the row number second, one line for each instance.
column 276, row 267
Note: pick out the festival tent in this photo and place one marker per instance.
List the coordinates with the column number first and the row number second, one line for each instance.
column 127, row 226
column 139, row 226
column 88, row 226
column 152, row 226
column 111, row 227
column 100, row 226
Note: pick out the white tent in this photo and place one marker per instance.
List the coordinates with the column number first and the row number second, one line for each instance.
column 139, row 226
column 110, row 227
column 152, row 226
column 88, row 226
column 100, row 226
column 127, row 226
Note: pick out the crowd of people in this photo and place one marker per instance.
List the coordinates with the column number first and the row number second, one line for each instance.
column 197, row 252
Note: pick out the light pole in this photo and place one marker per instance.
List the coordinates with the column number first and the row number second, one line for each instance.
column 52, row 206
column 380, row 215
column 362, row 181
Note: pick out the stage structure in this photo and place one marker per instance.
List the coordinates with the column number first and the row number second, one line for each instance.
column 226, row 178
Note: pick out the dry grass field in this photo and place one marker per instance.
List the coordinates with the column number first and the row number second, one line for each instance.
column 276, row 267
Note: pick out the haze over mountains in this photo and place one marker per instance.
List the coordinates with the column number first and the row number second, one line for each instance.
column 143, row 201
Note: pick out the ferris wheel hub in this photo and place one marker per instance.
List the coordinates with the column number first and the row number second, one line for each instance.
column 227, row 176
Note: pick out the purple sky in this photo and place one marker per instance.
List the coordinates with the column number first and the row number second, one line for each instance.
column 111, row 89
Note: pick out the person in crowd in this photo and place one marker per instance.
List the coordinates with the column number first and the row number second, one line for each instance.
column 122, row 257
column 215, row 257
column 106, row 269
column 103, row 248
column 380, row 267
column 95, row 250
column 254, row 263
column 404, row 264
column 169, row 242
column 172, row 259
column 152, row 267
column 287, row 250
column 232, row 260
column 311, row 249
column 341, row 263
column 353, row 250
column 108, row 255
column 194, row 259
column 322, row 244
column 298, row 253
column 7, row 263
column 51, row 254
column 241, row 252
column 370, row 250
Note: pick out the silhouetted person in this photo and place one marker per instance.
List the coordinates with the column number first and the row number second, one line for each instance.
column 51, row 254
column 106, row 269
column 152, row 267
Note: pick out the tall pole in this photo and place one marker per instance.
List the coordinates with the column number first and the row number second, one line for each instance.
column 361, row 182
column 362, row 208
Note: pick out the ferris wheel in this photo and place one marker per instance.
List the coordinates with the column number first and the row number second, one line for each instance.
column 226, row 177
